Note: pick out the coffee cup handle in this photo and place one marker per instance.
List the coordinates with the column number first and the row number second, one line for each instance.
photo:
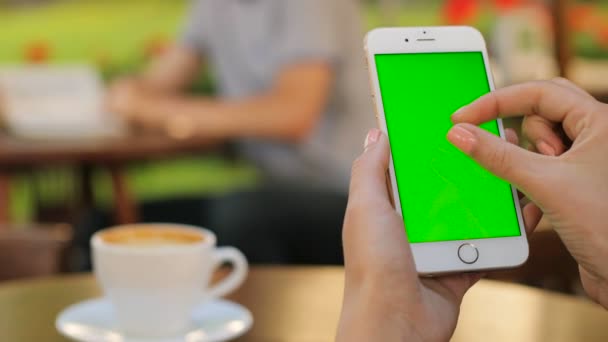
column 237, row 276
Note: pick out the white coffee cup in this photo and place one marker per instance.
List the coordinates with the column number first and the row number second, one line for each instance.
column 155, row 284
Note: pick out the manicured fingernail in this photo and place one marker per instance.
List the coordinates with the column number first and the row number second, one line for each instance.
column 546, row 149
column 372, row 137
column 462, row 139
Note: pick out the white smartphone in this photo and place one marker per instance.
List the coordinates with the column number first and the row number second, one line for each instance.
column 457, row 216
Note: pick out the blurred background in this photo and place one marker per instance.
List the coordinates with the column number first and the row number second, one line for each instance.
column 527, row 40
column 119, row 37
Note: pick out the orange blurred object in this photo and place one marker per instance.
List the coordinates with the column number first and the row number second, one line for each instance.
column 37, row 52
column 157, row 46
column 504, row 5
column 581, row 17
column 602, row 36
column 459, row 12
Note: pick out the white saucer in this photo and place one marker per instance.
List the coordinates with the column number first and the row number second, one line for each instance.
column 93, row 321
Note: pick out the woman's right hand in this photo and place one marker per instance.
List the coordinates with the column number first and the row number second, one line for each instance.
column 568, row 186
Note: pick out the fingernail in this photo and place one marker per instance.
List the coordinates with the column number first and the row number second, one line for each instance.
column 462, row 139
column 546, row 149
column 372, row 137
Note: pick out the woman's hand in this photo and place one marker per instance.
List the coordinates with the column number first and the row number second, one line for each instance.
column 384, row 299
column 569, row 185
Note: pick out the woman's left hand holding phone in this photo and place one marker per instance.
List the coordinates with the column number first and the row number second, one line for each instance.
column 384, row 299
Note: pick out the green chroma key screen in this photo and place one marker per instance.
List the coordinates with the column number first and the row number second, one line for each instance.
column 444, row 194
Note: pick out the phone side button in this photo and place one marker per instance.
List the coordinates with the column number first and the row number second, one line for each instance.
column 468, row 253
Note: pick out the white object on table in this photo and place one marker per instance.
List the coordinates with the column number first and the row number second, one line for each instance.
column 56, row 102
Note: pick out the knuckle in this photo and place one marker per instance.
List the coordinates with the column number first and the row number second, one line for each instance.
column 357, row 175
column 535, row 126
column 561, row 80
column 540, row 84
column 354, row 209
column 545, row 83
column 357, row 166
column 356, row 213
column 500, row 161
column 536, row 120
column 598, row 109
column 494, row 102
column 544, row 88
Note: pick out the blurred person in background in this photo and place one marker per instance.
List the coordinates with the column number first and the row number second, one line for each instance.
column 293, row 95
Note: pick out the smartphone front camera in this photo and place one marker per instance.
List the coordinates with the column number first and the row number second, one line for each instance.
column 407, row 40
column 423, row 32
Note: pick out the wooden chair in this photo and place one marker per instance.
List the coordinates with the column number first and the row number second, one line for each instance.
column 34, row 251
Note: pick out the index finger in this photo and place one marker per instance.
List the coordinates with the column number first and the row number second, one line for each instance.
column 543, row 98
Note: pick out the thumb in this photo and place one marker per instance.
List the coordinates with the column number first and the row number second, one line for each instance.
column 368, row 179
column 373, row 232
column 512, row 163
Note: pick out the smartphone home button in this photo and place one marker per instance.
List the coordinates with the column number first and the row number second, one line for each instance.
column 468, row 253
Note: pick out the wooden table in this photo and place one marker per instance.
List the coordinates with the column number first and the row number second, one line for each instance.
column 111, row 153
column 302, row 304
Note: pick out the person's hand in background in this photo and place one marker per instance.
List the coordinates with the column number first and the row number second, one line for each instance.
column 384, row 299
column 567, row 186
column 125, row 98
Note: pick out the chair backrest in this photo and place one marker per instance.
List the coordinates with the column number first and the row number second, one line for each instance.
column 33, row 252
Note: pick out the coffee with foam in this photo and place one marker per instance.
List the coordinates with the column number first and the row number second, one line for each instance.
column 151, row 236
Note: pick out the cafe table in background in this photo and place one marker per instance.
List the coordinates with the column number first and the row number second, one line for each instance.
column 302, row 304
column 110, row 153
